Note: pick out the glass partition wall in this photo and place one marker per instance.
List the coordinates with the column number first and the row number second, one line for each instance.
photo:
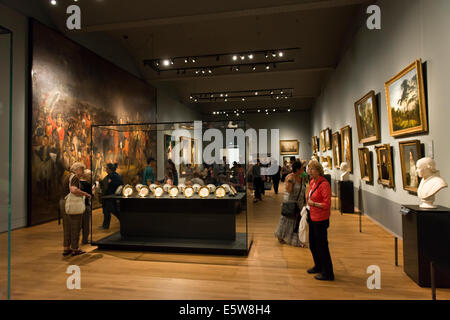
column 5, row 159
column 177, row 187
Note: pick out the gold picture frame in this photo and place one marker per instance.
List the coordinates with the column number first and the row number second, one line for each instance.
column 366, row 112
column 384, row 165
column 347, row 147
column 289, row 147
column 322, row 144
column 337, row 152
column 327, row 132
column 406, row 105
column 330, row 162
column 314, row 144
column 410, row 152
column 365, row 164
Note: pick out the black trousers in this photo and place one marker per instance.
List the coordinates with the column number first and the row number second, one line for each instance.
column 258, row 185
column 276, row 183
column 318, row 244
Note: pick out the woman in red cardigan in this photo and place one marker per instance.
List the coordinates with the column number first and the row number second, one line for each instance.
column 319, row 203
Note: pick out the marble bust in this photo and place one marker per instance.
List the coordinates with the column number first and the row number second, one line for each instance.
column 431, row 182
column 326, row 168
column 345, row 175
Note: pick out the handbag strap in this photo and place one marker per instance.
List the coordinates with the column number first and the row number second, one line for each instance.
column 310, row 195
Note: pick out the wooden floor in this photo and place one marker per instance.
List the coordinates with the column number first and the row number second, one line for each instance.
column 271, row 271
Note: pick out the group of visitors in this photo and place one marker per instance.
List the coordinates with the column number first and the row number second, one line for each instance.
column 311, row 208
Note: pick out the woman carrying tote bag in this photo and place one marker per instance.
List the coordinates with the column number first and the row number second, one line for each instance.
column 294, row 199
column 74, row 209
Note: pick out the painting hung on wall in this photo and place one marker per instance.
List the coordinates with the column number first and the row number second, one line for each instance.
column 323, row 146
column 330, row 162
column 314, row 144
column 72, row 90
column 289, row 147
column 384, row 164
column 366, row 111
column 328, row 139
column 169, row 146
column 188, row 149
column 406, row 103
column 346, row 144
column 336, row 144
column 410, row 152
column 365, row 165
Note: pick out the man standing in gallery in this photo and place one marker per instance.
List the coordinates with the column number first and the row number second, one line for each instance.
column 149, row 175
column 257, row 181
column 276, row 177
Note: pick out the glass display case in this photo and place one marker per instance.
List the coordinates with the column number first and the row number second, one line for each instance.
column 178, row 187
column 6, row 51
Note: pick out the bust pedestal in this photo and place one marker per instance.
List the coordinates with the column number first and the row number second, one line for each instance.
column 426, row 237
column 346, row 197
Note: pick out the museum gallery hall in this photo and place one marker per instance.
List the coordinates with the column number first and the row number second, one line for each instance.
column 224, row 150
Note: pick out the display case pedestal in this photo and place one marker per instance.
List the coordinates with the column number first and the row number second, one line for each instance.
column 426, row 237
column 346, row 197
column 203, row 225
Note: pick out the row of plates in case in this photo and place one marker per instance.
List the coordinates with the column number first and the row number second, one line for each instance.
column 158, row 191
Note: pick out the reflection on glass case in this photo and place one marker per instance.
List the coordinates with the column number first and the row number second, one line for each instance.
column 189, row 205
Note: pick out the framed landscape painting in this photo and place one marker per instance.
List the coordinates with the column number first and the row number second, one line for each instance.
column 365, row 165
column 346, row 144
column 366, row 111
column 410, row 152
column 288, row 147
column 336, row 142
column 384, row 164
column 406, row 104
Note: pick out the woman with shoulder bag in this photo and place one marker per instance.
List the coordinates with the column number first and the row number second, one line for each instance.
column 319, row 203
column 294, row 199
column 74, row 209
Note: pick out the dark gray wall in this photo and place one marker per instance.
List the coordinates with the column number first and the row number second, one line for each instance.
column 411, row 29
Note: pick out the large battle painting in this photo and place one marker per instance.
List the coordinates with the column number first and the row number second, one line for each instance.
column 72, row 90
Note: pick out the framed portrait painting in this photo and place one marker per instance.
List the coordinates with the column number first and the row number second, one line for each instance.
column 330, row 162
column 288, row 147
column 336, row 145
column 410, row 152
column 314, row 144
column 328, row 139
column 384, row 164
column 346, row 144
column 322, row 144
column 366, row 111
column 406, row 104
column 365, row 164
